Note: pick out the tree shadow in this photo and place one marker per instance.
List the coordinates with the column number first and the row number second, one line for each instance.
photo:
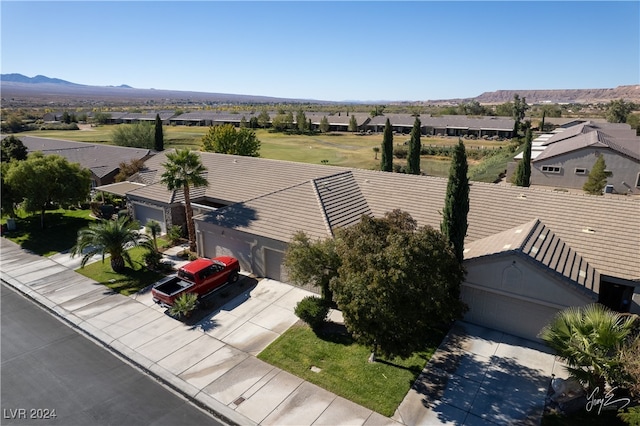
column 233, row 216
column 60, row 232
column 465, row 380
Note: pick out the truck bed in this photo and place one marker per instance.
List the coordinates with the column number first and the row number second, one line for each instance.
column 172, row 285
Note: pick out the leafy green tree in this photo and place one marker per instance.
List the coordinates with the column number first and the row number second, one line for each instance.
column 243, row 122
column 522, row 175
column 386, row 163
column 587, row 339
column 377, row 110
column 43, row 181
column 505, row 109
column 618, row 110
column 183, row 170
column 263, row 119
column 324, row 124
column 126, row 170
column 159, row 136
column 597, row 177
column 138, row 135
column 9, row 196
column 393, row 281
column 312, row 263
column 226, row 139
column 456, row 204
column 109, row 237
column 413, row 157
column 101, row 117
column 353, row 124
column 13, row 149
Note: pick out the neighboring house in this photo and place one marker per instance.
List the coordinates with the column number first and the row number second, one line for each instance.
column 564, row 158
column 102, row 160
column 448, row 125
column 529, row 252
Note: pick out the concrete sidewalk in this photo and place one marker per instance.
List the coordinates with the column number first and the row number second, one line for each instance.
column 478, row 376
column 213, row 363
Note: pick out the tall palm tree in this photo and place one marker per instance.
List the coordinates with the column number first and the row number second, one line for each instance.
column 588, row 339
column 112, row 237
column 183, row 170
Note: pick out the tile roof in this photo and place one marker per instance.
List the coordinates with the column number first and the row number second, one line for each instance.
column 539, row 243
column 100, row 159
column 603, row 230
column 593, row 138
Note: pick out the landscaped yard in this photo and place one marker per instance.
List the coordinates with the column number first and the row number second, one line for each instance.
column 344, row 369
column 130, row 281
column 59, row 234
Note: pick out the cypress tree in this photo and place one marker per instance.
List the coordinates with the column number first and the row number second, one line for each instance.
column 386, row 163
column 522, row 176
column 597, row 177
column 456, row 205
column 413, row 158
column 159, row 138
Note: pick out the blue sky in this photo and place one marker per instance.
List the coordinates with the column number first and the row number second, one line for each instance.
column 363, row 50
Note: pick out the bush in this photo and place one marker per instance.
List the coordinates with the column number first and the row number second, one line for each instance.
column 313, row 311
column 174, row 234
column 184, row 305
column 631, row 416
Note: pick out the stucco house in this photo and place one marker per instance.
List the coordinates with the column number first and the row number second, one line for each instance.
column 564, row 158
column 529, row 252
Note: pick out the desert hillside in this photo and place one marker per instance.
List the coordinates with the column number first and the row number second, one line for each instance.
column 582, row 96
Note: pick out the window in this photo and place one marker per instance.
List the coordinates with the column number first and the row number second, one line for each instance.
column 581, row 171
column 551, row 169
column 638, row 181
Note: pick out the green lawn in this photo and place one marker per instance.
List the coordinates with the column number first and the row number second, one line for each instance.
column 130, row 281
column 59, row 233
column 339, row 149
column 345, row 371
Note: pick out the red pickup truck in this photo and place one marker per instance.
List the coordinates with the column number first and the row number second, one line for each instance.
column 202, row 276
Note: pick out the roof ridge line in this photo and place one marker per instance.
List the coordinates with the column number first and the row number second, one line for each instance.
column 325, row 217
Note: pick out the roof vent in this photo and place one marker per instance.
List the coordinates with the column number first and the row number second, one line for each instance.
column 522, row 197
column 235, row 161
column 589, row 230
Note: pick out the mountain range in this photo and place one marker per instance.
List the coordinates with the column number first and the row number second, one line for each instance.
column 20, row 90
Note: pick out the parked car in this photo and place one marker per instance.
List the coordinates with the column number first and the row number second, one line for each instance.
column 202, row 276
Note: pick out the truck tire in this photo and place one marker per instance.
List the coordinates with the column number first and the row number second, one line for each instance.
column 233, row 277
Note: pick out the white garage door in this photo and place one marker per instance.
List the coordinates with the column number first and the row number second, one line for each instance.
column 511, row 315
column 273, row 265
column 145, row 213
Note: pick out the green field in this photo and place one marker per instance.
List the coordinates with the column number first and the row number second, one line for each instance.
column 339, row 149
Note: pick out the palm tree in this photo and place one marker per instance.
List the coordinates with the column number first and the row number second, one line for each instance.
column 111, row 237
column 153, row 227
column 183, row 170
column 588, row 339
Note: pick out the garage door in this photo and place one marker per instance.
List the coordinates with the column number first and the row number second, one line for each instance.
column 273, row 265
column 221, row 245
column 514, row 316
column 145, row 213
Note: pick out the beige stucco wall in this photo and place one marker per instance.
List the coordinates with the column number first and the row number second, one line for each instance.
column 624, row 170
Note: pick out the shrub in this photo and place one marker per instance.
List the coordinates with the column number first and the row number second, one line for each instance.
column 184, row 305
column 313, row 311
column 631, row 416
column 174, row 234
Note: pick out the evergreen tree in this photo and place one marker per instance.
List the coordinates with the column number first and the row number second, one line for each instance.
column 413, row 158
column 159, row 138
column 324, row 124
column 522, row 176
column 353, row 124
column 456, row 205
column 597, row 178
column 386, row 164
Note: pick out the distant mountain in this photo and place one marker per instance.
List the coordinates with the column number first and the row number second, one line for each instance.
column 38, row 79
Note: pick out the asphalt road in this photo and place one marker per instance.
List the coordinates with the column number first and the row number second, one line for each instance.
column 50, row 369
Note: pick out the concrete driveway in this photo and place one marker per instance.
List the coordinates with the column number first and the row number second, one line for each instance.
column 480, row 376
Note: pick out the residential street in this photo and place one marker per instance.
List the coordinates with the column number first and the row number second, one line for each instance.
column 50, row 369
